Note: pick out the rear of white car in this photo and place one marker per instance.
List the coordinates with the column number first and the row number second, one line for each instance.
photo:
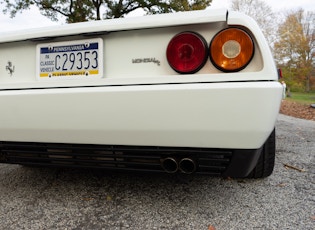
column 193, row 92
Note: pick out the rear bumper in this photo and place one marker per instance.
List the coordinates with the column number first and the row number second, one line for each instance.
column 213, row 115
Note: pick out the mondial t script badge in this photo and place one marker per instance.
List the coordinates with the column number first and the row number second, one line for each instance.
column 10, row 68
column 146, row 60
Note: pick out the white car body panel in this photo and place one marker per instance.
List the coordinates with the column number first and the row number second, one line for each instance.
column 171, row 115
column 122, row 47
column 141, row 104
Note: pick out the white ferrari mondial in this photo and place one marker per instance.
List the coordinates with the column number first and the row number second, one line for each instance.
column 191, row 92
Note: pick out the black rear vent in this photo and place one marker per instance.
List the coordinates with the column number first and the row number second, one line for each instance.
column 132, row 158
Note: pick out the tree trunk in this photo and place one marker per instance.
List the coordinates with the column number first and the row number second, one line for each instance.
column 288, row 92
column 307, row 89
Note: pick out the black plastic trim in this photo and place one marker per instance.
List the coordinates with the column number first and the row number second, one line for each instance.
column 214, row 162
column 242, row 163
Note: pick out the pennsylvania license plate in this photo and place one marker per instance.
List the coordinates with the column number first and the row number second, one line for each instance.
column 81, row 59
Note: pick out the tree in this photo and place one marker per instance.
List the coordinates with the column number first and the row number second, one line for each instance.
column 262, row 13
column 73, row 10
column 295, row 48
column 85, row 10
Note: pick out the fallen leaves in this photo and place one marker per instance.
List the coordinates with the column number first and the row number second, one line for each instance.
column 87, row 199
column 287, row 166
column 282, row 185
column 211, row 227
column 298, row 110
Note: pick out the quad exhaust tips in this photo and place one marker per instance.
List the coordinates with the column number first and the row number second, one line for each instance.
column 169, row 165
column 184, row 165
column 187, row 165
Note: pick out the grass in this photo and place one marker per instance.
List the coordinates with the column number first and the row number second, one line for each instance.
column 303, row 98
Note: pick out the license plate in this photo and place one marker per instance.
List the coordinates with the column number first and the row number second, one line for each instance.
column 80, row 59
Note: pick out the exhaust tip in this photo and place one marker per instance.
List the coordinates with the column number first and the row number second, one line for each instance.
column 169, row 164
column 187, row 165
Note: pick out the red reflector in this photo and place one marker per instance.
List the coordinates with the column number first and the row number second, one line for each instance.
column 187, row 52
column 280, row 73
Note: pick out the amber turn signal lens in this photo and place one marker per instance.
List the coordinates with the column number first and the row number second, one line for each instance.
column 231, row 50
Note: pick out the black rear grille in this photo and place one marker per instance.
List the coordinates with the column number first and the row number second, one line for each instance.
column 132, row 158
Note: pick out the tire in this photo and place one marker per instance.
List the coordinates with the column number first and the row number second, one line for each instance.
column 266, row 161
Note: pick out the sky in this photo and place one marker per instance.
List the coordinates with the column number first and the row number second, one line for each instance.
column 33, row 19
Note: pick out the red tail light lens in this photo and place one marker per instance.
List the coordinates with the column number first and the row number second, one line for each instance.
column 231, row 50
column 187, row 52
